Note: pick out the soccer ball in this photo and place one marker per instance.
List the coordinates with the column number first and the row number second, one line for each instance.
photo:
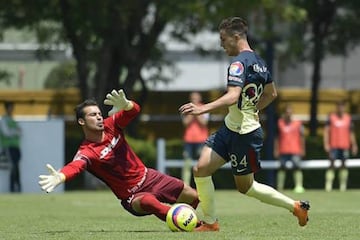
column 181, row 217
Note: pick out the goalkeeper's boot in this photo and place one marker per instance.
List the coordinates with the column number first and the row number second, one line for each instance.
column 207, row 227
column 301, row 212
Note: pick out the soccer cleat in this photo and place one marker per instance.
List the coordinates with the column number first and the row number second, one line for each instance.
column 207, row 227
column 301, row 212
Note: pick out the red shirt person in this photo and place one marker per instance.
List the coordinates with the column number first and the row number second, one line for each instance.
column 106, row 154
column 290, row 146
column 339, row 140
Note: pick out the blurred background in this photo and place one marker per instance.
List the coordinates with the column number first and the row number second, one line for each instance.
column 56, row 53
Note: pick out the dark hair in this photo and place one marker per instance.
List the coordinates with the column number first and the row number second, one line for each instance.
column 79, row 109
column 234, row 25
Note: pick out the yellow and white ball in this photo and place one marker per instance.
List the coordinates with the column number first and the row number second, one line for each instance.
column 181, row 217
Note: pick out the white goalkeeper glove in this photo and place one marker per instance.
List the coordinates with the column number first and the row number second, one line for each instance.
column 118, row 100
column 49, row 182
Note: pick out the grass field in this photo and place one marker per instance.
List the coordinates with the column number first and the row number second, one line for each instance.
column 98, row 215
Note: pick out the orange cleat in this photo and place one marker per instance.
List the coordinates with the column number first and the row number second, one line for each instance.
column 301, row 212
column 207, row 227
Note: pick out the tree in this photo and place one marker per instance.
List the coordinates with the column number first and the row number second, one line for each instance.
column 332, row 25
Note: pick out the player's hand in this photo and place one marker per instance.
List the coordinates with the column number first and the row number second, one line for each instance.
column 49, row 182
column 191, row 108
column 118, row 100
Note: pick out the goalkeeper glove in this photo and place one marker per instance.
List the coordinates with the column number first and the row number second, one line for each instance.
column 118, row 100
column 49, row 182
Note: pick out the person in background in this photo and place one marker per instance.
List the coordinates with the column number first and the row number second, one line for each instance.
column 250, row 88
column 339, row 140
column 195, row 134
column 10, row 134
column 106, row 154
column 289, row 147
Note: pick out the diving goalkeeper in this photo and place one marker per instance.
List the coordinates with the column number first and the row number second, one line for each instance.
column 106, row 154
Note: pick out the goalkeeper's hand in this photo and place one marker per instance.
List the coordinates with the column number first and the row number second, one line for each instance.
column 118, row 100
column 49, row 182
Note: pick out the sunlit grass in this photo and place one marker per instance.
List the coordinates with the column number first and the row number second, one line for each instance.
column 99, row 215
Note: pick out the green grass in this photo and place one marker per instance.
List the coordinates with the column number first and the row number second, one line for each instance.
column 98, row 215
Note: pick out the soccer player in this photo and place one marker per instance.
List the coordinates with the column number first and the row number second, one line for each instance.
column 290, row 146
column 106, row 154
column 339, row 139
column 250, row 88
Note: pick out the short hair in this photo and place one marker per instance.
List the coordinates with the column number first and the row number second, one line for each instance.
column 79, row 109
column 234, row 25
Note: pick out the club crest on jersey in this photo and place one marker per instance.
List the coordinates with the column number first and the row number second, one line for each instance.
column 236, row 69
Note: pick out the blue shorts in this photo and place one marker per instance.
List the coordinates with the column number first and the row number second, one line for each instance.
column 241, row 150
column 337, row 153
column 294, row 158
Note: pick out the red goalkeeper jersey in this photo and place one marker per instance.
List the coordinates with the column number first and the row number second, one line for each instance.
column 112, row 160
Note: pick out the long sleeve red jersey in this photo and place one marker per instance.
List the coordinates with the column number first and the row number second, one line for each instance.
column 112, row 160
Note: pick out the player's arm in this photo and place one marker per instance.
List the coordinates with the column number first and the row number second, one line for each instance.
column 229, row 98
column 354, row 146
column 186, row 119
column 267, row 97
column 303, row 141
column 203, row 119
column 276, row 143
column 49, row 182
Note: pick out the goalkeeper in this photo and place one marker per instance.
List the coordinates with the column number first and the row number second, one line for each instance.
column 106, row 154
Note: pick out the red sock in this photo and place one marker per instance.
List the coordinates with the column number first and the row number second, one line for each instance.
column 150, row 204
column 195, row 203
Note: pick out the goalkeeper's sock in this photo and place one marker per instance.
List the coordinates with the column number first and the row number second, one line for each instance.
column 329, row 179
column 270, row 196
column 206, row 191
column 281, row 175
column 343, row 178
column 151, row 204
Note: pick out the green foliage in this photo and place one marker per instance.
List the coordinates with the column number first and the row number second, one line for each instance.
column 5, row 76
column 144, row 149
column 62, row 76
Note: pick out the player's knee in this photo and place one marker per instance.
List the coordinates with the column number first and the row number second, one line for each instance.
column 243, row 189
column 201, row 171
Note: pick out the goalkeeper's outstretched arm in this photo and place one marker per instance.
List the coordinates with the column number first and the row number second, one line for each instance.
column 118, row 101
column 49, row 182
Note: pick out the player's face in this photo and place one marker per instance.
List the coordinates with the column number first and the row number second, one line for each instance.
column 93, row 119
column 229, row 43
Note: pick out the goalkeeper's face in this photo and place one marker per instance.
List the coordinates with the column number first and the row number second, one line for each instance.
column 93, row 119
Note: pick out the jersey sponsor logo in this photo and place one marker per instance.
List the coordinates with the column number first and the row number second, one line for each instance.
column 109, row 147
column 258, row 68
column 236, row 69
